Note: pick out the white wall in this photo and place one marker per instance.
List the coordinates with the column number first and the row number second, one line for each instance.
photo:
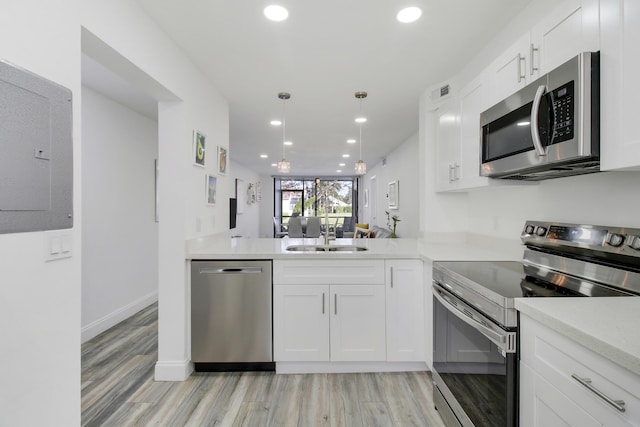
column 402, row 165
column 266, row 207
column 248, row 222
column 119, row 232
column 40, row 301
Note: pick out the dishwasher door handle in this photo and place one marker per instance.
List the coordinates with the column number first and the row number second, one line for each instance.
column 231, row 270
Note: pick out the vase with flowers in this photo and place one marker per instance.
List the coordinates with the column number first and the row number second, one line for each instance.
column 392, row 218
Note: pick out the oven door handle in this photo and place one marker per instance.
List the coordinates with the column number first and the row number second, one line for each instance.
column 506, row 341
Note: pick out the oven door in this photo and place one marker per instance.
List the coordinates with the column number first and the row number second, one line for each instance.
column 474, row 365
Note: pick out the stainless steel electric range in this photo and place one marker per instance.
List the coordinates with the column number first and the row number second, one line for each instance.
column 475, row 360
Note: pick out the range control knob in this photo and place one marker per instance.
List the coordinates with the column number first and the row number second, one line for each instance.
column 529, row 229
column 541, row 231
column 615, row 240
column 634, row 242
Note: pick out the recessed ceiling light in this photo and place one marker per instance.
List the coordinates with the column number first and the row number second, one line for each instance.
column 276, row 13
column 351, row 141
column 274, row 164
column 288, row 143
column 275, row 122
column 361, row 119
column 342, row 164
column 264, row 156
column 345, row 155
column 409, row 14
column 338, row 170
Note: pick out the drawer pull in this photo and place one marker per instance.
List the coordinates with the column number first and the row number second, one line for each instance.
column 618, row 404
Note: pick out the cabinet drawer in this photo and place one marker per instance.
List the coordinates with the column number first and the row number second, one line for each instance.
column 558, row 359
column 347, row 272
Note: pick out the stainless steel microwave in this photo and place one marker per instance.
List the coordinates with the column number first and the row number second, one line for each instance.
column 548, row 129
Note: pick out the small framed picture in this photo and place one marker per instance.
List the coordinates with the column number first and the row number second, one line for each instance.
column 211, row 187
column 199, row 142
column 222, row 160
column 393, row 194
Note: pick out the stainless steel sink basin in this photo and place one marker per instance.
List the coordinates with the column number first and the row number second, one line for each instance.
column 349, row 248
column 305, row 248
column 325, row 248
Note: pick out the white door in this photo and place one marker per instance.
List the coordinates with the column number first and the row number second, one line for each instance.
column 404, row 311
column 301, row 324
column 357, row 323
column 373, row 201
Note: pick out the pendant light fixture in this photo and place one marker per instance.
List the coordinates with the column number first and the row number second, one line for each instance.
column 361, row 166
column 283, row 165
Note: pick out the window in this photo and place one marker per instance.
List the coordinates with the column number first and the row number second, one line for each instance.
column 333, row 198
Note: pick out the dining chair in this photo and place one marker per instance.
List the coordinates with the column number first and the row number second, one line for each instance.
column 279, row 232
column 313, row 227
column 295, row 227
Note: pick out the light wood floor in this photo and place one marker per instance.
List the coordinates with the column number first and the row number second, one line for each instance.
column 118, row 390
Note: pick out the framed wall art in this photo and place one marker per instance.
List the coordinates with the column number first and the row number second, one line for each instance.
column 393, row 194
column 199, row 142
column 211, row 187
column 222, row 160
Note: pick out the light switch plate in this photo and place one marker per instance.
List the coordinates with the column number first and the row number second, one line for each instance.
column 58, row 244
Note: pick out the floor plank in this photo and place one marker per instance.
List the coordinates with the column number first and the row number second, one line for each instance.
column 118, row 389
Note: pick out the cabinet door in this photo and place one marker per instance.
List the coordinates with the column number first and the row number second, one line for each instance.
column 474, row 99
column 405, row 311
column 542, row 405
column 447, row 144
column 571, row 28
column 620, row 85
column 301, row 324
column 357, row 323
column 508, row 72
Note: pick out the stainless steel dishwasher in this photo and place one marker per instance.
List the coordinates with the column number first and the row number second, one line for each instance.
column 231, row 316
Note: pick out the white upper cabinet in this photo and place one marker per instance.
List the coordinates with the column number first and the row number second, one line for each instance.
column 508, row 72
column 447, row 144
column 620, row 85
column 571, row 28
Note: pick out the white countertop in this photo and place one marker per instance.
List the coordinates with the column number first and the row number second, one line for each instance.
column 441, row 247
column 607, row 326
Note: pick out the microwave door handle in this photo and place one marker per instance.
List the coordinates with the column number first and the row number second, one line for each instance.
column 493, row 336
column 535, row 134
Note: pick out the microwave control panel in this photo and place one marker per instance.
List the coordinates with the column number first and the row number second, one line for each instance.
column 562, row 101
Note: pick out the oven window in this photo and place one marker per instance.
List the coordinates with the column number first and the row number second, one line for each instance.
column 475, row 371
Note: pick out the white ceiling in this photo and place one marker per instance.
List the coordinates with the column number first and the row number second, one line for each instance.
column 325, row 52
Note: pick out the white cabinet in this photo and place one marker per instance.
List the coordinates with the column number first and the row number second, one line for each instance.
column 572, row 27
column 508, row 72
column 326, row 310
column 564, row 383
column 301, row 319
column 357, row 323
column 448, row 144
column 404, row 311
column 458, row 139
column 620, row 85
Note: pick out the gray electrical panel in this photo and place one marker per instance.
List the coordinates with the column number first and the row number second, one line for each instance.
column 36, row 152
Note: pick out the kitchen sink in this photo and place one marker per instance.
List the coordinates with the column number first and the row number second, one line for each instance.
column 325, row 248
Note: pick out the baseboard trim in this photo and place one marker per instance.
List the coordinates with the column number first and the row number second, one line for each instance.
column 95, row 328
column 173, row 370
column 347, row 367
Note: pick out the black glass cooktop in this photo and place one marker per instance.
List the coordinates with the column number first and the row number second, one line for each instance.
column 512, row 279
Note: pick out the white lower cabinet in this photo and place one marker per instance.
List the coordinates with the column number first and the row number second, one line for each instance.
column 321, row 323
column 405, row 311
column 374, row 313
column 563, row 383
